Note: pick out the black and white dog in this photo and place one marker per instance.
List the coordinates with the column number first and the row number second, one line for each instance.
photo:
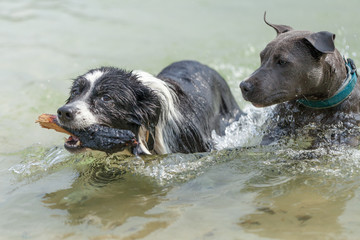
column 176, row 111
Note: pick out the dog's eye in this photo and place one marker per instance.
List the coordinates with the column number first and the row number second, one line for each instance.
column 106, row 98
column 75, row 92
column 281, row 62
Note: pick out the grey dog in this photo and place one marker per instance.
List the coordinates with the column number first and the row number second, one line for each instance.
column 308, row 78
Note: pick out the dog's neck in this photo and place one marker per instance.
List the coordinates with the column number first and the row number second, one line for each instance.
column 169, row 118
column 340, row 88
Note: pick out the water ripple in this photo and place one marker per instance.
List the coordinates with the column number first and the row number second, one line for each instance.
column 37, row 160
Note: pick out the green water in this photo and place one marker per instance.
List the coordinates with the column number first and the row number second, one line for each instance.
column 278, row 192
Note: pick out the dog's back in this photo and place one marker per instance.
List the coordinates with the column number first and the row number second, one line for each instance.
column 204, row 101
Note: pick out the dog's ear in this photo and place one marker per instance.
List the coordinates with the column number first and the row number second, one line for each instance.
column 278, row 28
column 322, row 41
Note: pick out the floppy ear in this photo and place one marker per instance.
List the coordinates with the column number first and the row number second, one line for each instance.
column 278, row 28
column 322, row 41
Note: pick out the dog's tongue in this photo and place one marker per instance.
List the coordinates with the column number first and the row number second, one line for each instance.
column 258, row 105
column 73, row 144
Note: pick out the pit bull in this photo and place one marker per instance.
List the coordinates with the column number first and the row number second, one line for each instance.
column 309, row 80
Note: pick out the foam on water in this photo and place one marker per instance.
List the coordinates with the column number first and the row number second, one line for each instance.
column 167, row 168
column 246, row 132
column 239, row 144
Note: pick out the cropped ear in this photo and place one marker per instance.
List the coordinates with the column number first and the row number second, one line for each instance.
column 278, row 28
column 322, row 41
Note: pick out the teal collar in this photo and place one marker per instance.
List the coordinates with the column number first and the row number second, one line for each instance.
column 343, row 92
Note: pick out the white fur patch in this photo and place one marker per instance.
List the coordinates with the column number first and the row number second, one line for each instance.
column 93, row 76
column 168, row 126
column 83, row 116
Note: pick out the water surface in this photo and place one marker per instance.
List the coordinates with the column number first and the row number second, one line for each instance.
column 241, row 191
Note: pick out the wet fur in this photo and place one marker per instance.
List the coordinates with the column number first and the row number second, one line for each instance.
column 175, row 111
column 301, row 64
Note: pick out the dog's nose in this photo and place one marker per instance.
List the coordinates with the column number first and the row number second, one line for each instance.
column 66, row 113
column 246, row 87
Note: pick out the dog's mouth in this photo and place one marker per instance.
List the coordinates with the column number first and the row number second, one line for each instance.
column 73, row 144
column 258, row 105
column 96, row 137
column 100, row 137
column 276, row 98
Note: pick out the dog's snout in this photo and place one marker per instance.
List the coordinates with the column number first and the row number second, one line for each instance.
column 66, row 113
column 246, row 87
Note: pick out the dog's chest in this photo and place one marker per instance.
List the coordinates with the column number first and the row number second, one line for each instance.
column 291, row 120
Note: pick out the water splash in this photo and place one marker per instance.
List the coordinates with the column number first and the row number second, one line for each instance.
column 39, row 159
column 246, row 132
column 240, row 146
column 232, row 71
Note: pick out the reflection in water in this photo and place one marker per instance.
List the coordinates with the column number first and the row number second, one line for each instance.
column 302, row 192
column 105, row 194
column 268, row 191
column 110, row 190
column 284, row 209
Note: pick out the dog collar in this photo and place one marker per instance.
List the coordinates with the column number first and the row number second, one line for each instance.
column 343, row 92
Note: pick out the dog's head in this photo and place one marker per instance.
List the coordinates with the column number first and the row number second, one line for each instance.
column 294, row 65
column 111, row 97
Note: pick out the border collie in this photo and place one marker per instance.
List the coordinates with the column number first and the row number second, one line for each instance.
column 176, row 111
